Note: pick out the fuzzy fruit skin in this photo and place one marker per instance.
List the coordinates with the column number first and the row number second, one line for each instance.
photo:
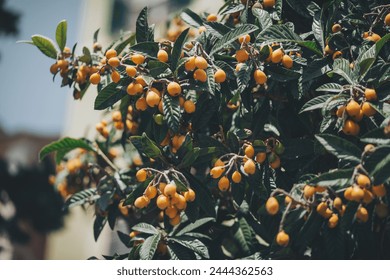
column 272, row 206
column 174, row 89
column 220, row 76
column 282, row 239
column 260, row 77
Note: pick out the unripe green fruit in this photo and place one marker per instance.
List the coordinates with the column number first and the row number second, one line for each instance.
column 159, row 119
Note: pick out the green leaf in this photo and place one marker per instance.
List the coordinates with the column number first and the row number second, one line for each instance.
column 232, row 36
column 82, row 197
column 211, row 84
column 335, row 178
column 172, row 113
column 62, row 147
column 61, row 34
column 147, row 48
column 98, row 225
column 340, row 147
column 189, row 158
column 95, row 35
column 263, row 16
column 193, row 244
column 300, row 6
column 318, row 30
column 148, row 248
column 330, row 87
column 191, row 18
column 150, row 148
column 86, row 57
column 45, row 45
column 179, row 252
column 142, row 26
column 145, row 228
column 177, row 48
column 191, row 227
column 367, row 58
column 243, row 77
column 341, row 67
column 217, row 29
column 233, row 9
column 243, row 235
column 108, row 96
column 377, row 164
column 282, row 74
column 316, row 103
column 137, row 192
column 122, row 45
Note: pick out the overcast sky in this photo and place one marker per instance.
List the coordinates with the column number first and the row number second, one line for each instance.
column 29, row 100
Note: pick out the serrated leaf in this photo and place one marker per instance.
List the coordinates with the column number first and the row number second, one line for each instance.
column 148, row 248
column 177, row 49
column 211, row 80
column 243, row 77
column 62, row 147
column 193, row 244
column 340, row 147
column 233, row 35
column 315, row 103
column 45, row 45
column 122, row 45
column 145, row 228
column 217, row 29
column 172, row 113
column 142, row 26
column 191, row 227
column 263, row 16
column 234, row 8
column 318, row 30
column 82, row 197
column 191, row 18
column 341, row 67
column 147, row 48
column 108, row 96
column 335, row 178
column 61, row 34
column 243, row 235
column 179, row 252
column 150, row 148
column 330, row 87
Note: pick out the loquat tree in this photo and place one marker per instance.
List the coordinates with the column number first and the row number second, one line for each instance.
column 258, row 132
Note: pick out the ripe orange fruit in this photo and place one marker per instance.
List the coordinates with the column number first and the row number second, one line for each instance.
column 336, row 28
column 219, row 162
column 249, row 151
column 242, row 55
column 337, row 54
column 260, row 77
column 189, row 195
column 170, row 190
column 348, row 193
column 369, row 148
column 141, row 104
column 54, row 68
column 133, row 234
column 287, row 61
column 379, row 191
column 362, row 214
column 224, row 184
column 272, row 206
column 171, row 211
column 328, row 50
column 368, row 197
column 95, row 78
column 309, row 191
column 282, row 238
column 277, row 56
column 175, row 220
column 321, row 208
column 353, row 108
column 216, row 172
column 162, row 202
column 212, row 17
column 162, row 56
column 117, row 116
column 111, row 53
column 131, row 71
column 340, row 111
column 374, row 37
column 152, row 98
column 200, row 75
column 236, row 177
column 151, row 192
column 245, row 39
column 367, row 109
column 190, row 64
column 180, row 202
column 357, row 193
column 132, row 89
column 250, row 167
column 381, row 210
column 114, row 62
column 358, row 117
column 201, row 62
column 337, row 203
column 141, row 202
column 351, row 128
column 202, row 29
column 189, row 107
column 260, row 157
column 141, row 175
column 138, row 58
column 287, row 200
column 387, row 19
column 115, row 76
column 370, row 94
column 333, row 221
column 220, row 76
column 268, row 3
column 363, row 181
column 174, row 89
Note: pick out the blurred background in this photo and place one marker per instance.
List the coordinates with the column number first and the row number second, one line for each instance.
column 35, row 111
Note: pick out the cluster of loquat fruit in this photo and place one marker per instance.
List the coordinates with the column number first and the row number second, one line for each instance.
column 232, row 163
column 167, row 197
column 353, row 112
